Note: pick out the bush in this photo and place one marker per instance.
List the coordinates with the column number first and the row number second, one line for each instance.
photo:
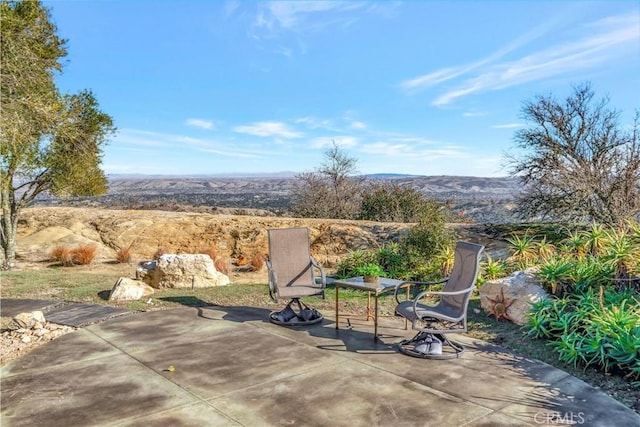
column 80, row 255
column 123, row 255
column 413, row 258
column 84, row 254
column 257, row 262
column 62, row 254
column 597, row 328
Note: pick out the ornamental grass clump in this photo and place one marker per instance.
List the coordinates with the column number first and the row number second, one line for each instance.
column 84, row 254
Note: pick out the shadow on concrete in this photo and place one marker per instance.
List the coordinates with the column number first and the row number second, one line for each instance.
column 554, row 390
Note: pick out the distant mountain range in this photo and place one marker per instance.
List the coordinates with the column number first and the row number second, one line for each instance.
column 482, row 199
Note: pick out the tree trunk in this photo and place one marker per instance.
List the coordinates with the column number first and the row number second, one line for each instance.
column 8, row 229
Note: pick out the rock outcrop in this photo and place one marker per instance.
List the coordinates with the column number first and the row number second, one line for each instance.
column 517, row 292
column 181, row 271
column 127, row 289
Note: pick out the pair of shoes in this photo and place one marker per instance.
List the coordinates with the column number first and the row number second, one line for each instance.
column 285, row 315
column 429, row 345
column 307, row 314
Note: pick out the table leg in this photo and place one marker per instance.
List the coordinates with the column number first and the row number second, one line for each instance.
column 375, row 319
column 337, row 299
column 368, row 306
column 406, row 321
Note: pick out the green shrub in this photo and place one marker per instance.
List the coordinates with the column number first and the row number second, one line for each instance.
column 388, row 202
column 600, row 329
column 369, row 269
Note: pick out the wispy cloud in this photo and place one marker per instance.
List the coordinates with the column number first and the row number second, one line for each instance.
column 328, row 141
column 132, row 138
column 200, row 123
column 413, row 151
column 474, row 114
column 315, row 123
column 597, row 44
column 289, row 21
column 267, row 129
column 304, row 15
column 508, row 126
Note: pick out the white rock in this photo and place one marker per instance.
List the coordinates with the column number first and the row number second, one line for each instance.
column 182, row 271
column 520, row 290
column 129, row 290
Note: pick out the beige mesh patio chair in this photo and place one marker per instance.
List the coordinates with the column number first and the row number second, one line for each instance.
column 438, row 313
column 293, row 274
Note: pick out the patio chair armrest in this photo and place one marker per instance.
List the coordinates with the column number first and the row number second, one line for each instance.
column 415, row 283
column 323, row 276
column 273, row 281
column 425, row 293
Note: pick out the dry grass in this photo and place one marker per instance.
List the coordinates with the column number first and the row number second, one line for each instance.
column 84, row 254
column 257, row 262
column 123, row 255
column 62, row 254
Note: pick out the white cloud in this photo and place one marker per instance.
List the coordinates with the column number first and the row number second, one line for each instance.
column 200, row 123
column 265, row 129
column 599, row 42
column 474, row 114
column 304, row 15
column 357, row 125
column 412, row 148
column 152, row 140
column 508, row 126
column 315, row 123
column 328, row 141
column 290, row 21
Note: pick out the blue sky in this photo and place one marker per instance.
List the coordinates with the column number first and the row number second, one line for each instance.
column 419, row 87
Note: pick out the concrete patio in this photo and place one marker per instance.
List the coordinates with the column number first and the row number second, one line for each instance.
column 231, row 367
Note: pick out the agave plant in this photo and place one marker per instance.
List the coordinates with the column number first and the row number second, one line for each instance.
column 446, row 256
column 595, row 239
column 589, row 273
column 523, row 250
column 568, row 348
column 623, row 255
column 493, row 269
column 556, row 274
column 538, row 319
column 575, row 244
column 545, row 249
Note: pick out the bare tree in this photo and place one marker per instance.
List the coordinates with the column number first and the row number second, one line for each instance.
column 332, row 191
column 575, row 160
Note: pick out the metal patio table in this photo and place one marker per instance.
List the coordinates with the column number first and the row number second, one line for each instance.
column 384, row 285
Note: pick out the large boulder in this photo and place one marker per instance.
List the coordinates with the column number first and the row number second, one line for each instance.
column 181, row 271
column 516, row 293
column 127, row 289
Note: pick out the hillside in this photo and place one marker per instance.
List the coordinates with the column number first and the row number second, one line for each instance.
column 480, row 199
column 232, row 236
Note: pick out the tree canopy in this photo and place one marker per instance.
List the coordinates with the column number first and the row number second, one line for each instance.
column 576, row 160
column 49, row 142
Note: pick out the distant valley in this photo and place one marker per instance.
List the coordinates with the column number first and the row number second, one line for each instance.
column 478, row 199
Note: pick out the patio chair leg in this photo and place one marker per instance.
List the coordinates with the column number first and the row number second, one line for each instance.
column 290, row 317
column 408, row 346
